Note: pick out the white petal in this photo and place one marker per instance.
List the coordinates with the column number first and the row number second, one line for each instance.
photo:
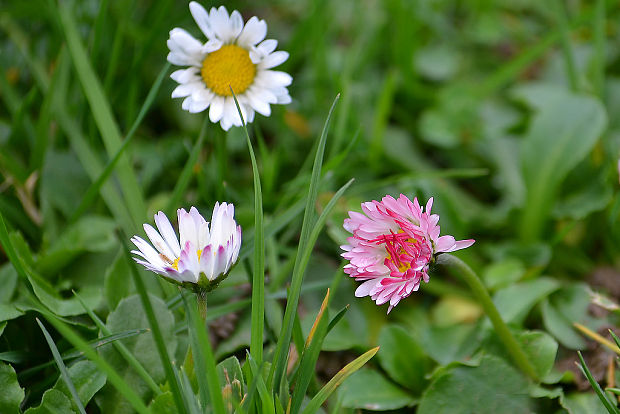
column 186, row 89
column 166, row 230
column 158, row 242
column 185, row 75
column 267, row 46
column 211, row 46
column 187, row 228
column 202, row 18
column 236, row 23
column 198, row 106
column 258, row 104
column 274, row 78
column 217, row 109
column 254, row 31
column 274, row 59
column 220, row 22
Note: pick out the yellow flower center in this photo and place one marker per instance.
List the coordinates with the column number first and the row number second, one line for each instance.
column 228, row 67
column 175, row 264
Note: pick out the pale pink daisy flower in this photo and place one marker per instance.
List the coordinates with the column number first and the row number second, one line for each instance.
column 392, row 247
column 205, row 253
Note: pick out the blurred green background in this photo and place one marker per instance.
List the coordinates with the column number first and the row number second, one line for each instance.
column 505, row 112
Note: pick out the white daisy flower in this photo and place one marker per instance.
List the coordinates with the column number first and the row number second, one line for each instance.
column 204, row 255
column 235, row 56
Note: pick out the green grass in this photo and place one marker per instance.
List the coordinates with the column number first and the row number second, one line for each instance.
column 507, row 114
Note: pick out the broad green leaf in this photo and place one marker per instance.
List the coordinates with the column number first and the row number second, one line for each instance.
column 452, row 343
column 562, row 309
column 11, row 394
column 492, row 387
column 8, row 281
column 403, row 358
column 87, row 380
column 503, row 273
column 516, row 301
column 9, row 311
column 130, row 315
column 583, row 403
column 231, row 377
column 541, row 350
column 564, row 130
column 59, row 169
column 53, row 402
column 89, row 234
column 369, row 390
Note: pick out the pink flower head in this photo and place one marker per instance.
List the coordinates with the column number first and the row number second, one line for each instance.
column 392, row 246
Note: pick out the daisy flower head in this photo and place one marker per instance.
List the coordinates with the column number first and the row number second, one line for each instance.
column 203, row 254
column 235, row 55
column 393, row 244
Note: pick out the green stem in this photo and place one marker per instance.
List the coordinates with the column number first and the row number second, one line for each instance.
column 201, row 298
column 512, row 346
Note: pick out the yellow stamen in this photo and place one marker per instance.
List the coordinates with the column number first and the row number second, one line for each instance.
column 228, row 67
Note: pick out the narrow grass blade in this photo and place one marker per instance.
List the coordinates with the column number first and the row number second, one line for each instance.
column 331, row 386
column 205, row 367
column 63, row 369
column 122, row 349
column 266, row 398
column 258, row 271
column 598, row 60
column 613, row 390
column 157, row 335
column 312, row 348
column 93, row 167
column 567, row 50
column 611, row 407
column 102, row 112
column 76, row 354
column 95, row 187
column 615, row 337
column 119, row 383
column 279, row 358
column 188, row 395
column 186, row 174
column 337, row 318
column 598, row 338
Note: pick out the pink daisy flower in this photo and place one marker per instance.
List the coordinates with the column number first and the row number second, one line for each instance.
column 392, row 246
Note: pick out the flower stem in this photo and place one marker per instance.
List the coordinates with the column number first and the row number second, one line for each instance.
column 201, row 298
column 512, row 346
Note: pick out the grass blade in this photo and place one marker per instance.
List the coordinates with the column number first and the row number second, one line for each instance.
column 258, row 271
column 122, row 349
column 157, row 335
column 186, row 174
column 63, row 369
column 205, row 361
column 312, row 348
column 333, row 383
column 611, row 408
column 101, row 112
column 598, row 60
column 119, row 383
column 279, row 358
column 95, row 187
column 267, row 406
